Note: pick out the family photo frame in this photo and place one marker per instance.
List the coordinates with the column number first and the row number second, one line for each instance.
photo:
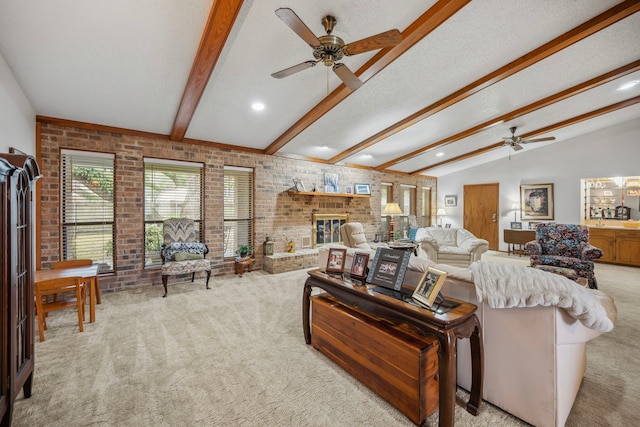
column 299, row 186
column 336, row 260
column 429, row 286
column 362, row 189
column 389, row 267
column 359, row 266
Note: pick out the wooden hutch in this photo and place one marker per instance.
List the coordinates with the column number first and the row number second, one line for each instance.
column 18, row 174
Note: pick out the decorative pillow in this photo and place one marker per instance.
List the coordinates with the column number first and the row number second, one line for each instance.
column 183, row 256
column 412, row 234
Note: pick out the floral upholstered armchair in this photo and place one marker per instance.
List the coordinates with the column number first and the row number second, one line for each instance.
column 180, row 253
column 564, row 246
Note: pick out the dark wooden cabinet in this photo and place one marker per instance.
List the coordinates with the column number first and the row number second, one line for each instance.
column 18, row 174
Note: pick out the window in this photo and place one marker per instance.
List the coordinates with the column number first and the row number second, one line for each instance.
column 425, row 208
column 87, row 207
column 172, row 189
column 386, row 196
column 238, row 208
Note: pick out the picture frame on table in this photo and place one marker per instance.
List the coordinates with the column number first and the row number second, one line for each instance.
column 450, row 201
column 359, row 266
column 299, row 186
column 536, row 201
column 429, row 286
column 516, row 225
column 362, row 189
column 389, row 267
column 533, row 225
column 336, row 260
column 348, row 189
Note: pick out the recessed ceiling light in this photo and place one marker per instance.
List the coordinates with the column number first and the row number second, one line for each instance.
column 366, row 156
column 629, row 85
column 440, row 154
column 324, row 147
column 258, row 106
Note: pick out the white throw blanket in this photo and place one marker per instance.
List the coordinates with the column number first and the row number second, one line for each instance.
column 507, row 285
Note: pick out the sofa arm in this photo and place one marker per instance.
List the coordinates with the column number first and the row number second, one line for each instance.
column 591, row 253
column 430, row 246
column 533, row 248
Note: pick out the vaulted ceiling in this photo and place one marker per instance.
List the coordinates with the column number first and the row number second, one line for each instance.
column 440, row 100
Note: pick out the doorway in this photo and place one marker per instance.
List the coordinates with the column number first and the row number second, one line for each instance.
column 481, row 212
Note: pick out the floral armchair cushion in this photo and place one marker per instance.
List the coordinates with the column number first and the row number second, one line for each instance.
column 564, row 246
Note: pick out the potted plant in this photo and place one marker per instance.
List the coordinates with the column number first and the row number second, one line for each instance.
column 244, row 250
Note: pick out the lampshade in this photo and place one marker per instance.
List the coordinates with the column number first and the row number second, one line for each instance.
column 441, row 212
column 392, row 209
column 515, row 206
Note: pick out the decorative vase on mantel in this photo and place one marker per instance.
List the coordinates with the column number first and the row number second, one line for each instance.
column 291, row 246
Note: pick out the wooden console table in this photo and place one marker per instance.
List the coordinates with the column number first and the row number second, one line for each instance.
column 460, row 322
column 517, row 237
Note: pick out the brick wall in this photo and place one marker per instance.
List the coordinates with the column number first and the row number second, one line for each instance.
column 277, row 214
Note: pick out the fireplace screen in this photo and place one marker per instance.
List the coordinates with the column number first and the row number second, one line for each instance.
column 326, row 228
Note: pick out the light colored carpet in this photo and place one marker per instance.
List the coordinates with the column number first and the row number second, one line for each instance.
column 235, row 355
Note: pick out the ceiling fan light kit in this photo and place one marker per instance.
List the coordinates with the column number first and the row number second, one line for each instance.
column 329, row 49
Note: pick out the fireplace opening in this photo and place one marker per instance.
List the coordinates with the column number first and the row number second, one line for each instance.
column 326, row 228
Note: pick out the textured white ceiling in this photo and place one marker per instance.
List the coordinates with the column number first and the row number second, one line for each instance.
column 126, row 63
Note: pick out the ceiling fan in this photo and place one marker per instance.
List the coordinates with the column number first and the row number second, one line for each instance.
column 515, row 142
column 329, row 49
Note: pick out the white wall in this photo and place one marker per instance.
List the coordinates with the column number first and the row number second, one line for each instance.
column 17, row 117
column 609, row 152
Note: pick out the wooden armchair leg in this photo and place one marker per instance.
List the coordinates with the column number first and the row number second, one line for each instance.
column 208, row 277
column 193, row 276
column 164, row 283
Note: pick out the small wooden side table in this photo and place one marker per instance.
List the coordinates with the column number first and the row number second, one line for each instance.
column 241, row 263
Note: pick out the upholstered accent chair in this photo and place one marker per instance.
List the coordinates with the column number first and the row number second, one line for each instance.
column 564, row 246
column 352, row 235
column 180, row 253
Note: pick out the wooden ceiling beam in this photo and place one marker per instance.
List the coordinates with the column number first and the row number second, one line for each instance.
column 572, row 121
column 222, row 16
column 420, row 28
column 592, row 26
column 557, row 97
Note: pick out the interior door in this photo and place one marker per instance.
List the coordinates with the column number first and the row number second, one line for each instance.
column 481, row 211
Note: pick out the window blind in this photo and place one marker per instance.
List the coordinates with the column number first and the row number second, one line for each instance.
column 238, row 209
column 87, row 208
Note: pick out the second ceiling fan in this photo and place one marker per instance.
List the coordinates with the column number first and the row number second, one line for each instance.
column 329, row 49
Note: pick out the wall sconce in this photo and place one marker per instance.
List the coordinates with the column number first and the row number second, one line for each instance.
column 441, row 212
column 392, row 209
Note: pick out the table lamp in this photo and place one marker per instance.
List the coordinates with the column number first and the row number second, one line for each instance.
column 516, row 208
column 392, row 209
column 441, row 212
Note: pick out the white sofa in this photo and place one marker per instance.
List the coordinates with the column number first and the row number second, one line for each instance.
column 534, row 357
column 452, row 246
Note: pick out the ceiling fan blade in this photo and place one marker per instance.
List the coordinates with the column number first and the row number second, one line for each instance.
column 289, row 17
column 292, row 70
column 347, row 76
column 379, row 41
column 526, row 141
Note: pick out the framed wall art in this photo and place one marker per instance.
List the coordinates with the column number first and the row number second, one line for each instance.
column 536, row 201
column 450, row 201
